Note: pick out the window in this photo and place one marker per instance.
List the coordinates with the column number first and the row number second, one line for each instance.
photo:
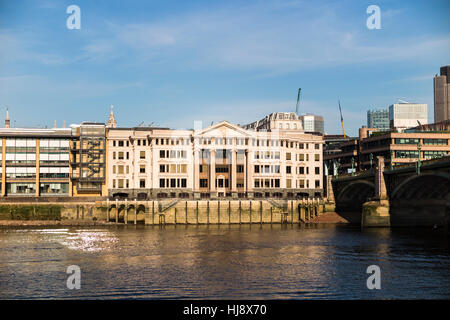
column 317, row 157
column 435, row 141
column 142, row 154
column 239, row 168
column 288, row 183
column 162, row 183
column 434, row 154
column 142, row 183
column 162, row 153
column 407, row 154
column 142, row 168
column 256, row 169
column 317, row 184
column 288, row 169
column 406, row 141
column 120, row 183
column 162, row 168
column 317, row 170
column 120, row 143
column 317, row 146
column 301, row 157
column 120, row 155
column 114, row 169
column 114, row 156
column 301, row 170
column 203, row 183
column 288, row 156
column 120, row 169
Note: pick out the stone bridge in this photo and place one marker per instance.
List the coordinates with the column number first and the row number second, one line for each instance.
column 407, row 195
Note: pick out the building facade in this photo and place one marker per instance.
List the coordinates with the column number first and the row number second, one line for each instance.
column 378, row 119
column 442, row 95
column 396, row 147
column 222, row 160
column 312, row 123
column 406, row 115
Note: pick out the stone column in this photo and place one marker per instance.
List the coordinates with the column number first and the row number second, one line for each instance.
column 212, row 170
column 196, row 165
column 250, row 174
column 233, row 173
column 380, row 185
column 376, row 213
column 330, row 192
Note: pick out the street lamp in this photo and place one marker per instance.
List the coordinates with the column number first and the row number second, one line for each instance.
column 418, row 159
column 353, row 165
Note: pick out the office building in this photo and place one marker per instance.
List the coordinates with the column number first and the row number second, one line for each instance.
column 312, row 123
column 222, row 160
column 378, row 119
column 406, row 115
column 442, row 95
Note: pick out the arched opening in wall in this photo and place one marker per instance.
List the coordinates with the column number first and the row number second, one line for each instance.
column 205, row 195
column 317, row 195
column 183, row 195
column 277, row 195
column 112, row 213
column 162, row 195
column 290, row 195
column 142, row 196
column 120, row 195
column 421, row 200
column 258, row 195
column 140, row 214
column 302, row 195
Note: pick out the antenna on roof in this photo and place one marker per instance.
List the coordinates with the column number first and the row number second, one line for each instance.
column 298, row 101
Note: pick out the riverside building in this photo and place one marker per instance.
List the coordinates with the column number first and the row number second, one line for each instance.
column 223, row 160
column 54, row 162
column 275, row 158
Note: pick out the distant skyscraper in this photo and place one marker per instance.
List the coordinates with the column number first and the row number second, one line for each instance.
column 442, row 95
column 406, row 115
column 312, row 123
column 378, row 119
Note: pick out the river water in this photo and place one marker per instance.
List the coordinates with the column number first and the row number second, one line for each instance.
column 223, row 262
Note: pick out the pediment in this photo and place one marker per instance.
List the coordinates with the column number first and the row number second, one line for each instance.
column 223, row 129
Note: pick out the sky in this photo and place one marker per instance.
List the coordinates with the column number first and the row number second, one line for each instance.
column 170, row 63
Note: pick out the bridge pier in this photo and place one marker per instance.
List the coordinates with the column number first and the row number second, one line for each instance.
column 376, row 213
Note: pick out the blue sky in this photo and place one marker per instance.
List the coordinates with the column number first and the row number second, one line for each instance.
column 174, row 62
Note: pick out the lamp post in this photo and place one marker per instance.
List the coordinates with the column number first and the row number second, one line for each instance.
column 353, row 165
column 418, row 159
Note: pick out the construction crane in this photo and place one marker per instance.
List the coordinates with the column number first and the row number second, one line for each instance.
column 342, row 119
column 298, row 101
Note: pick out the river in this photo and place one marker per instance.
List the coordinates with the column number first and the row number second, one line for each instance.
column 223, row 262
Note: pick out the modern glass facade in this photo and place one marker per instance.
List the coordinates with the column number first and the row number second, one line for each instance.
column 378, row 119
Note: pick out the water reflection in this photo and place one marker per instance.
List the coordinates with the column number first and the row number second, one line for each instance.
column 235, row 262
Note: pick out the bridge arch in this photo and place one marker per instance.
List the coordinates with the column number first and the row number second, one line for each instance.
column 435, row 185
column 358, row 190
